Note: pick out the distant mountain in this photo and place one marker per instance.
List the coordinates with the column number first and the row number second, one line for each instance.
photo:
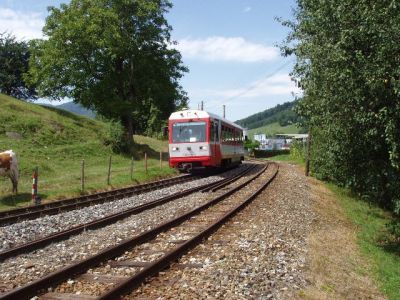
column 76, row 109
column 282, row 114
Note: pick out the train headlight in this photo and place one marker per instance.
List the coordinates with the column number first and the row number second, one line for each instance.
column 203, row 148
column 175, row 148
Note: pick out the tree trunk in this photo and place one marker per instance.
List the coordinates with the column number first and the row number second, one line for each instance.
column 127, row 122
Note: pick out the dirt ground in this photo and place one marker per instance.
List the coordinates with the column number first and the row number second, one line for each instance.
column 336, row 269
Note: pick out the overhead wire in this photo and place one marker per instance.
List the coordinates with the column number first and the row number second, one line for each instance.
column 254, row 86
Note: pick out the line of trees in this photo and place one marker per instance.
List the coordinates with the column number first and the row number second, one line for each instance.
column 111, row 56
column 348, row 64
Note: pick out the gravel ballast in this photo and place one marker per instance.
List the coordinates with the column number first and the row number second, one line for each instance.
column 28, row 267
column 260, row 254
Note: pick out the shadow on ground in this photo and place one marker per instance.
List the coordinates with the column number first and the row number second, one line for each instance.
column 12, row 201
column 141, row 149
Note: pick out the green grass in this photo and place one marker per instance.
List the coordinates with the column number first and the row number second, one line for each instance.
column 289, row 158
column 272, row 129
column 56, row 142
column 376, row 242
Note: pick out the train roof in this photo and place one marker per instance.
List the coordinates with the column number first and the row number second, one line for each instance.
column 195, row 113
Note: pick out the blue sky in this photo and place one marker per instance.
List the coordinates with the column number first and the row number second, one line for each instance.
column 228, row 46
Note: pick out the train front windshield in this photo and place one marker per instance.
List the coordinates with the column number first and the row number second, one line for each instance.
column 189, row 132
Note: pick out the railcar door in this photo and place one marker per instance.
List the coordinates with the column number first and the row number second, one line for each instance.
column 214, row 142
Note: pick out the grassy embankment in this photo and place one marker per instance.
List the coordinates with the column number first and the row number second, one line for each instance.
column 377, row 244
column 56, row 142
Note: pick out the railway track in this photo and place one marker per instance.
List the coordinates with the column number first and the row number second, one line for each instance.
column 204, row 219
column 55, row 207
column 112, row 218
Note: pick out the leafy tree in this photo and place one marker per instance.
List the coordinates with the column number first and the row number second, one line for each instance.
column 251, row 145
column 348, row 66
column 14, row 58
column 112, row 56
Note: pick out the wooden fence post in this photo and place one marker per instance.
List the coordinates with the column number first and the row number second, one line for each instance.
column 132, row 169
column 109, row 171
column 145, row 162
column 83, row 175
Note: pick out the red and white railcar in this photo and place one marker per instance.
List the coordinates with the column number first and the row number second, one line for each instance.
column 198, row 139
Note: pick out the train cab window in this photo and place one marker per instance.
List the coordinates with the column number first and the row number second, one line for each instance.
column 188, row 132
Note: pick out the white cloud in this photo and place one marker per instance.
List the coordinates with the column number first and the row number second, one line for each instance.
column 226, row 49
column 23, row 26
column 277, row 85
column 247, row 9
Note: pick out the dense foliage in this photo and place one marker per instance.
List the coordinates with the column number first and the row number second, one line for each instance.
column 14, row 58
column 251, row 144
column 282, row 113
column 114, row 57
column 348, row 55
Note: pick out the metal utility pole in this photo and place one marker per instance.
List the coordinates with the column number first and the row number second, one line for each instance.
column 223, row 111
column 202, row 105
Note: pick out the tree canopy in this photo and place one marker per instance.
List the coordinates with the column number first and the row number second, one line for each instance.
column 114, row 57
column 14, row 60
column 348, row 55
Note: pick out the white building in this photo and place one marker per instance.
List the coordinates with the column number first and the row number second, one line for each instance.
column 280, row 142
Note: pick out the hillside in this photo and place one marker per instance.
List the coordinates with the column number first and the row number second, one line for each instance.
column 273, row 129
column 282, row 114
column 279, row 119
column 56, row 141
column 76, row 109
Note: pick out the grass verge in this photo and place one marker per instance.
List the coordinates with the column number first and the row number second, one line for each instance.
column 288, row 158
column 375, row 240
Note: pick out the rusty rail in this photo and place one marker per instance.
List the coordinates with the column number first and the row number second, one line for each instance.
column 31, row 289
column 42, row 242
column 55, row 207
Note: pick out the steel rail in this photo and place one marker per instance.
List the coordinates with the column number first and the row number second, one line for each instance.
column 33, row 212
column 220, row 185
column 41, row 242
column 31, row 289
column 174, row 254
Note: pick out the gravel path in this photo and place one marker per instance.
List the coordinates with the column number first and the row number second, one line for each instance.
column 262, row 254
column 28, row 267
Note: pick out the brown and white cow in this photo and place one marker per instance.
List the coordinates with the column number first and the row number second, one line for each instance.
column 9, row 167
